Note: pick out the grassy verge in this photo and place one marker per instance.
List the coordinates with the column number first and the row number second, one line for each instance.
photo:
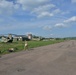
column 18, row 46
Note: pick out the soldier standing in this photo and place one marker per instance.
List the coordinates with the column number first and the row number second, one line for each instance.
column 26, row 45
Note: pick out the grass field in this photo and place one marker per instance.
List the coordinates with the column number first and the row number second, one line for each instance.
column 19, row 46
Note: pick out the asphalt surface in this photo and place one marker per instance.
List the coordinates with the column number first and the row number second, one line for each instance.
column 56, row 59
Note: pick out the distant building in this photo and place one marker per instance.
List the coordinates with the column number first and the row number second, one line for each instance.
column 10, row 36
column 20, row 38
column 6, row 39
column 14, row 38
column 30, row 36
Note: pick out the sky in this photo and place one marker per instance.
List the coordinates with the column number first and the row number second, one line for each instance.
column 47, row 18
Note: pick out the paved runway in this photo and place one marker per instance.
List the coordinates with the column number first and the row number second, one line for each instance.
column 56, row 59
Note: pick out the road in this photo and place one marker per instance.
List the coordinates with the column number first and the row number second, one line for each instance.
column 56, row 59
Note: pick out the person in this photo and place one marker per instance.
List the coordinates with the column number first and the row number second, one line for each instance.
column 26, row 45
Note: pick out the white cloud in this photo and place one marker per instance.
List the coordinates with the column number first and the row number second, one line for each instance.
column 60, row 25
column 28, row 33
column 30, row 4
column 44, row 11
column 66, row 23
column 39, row 8
column 72, row 19
column 7, row 7
column 47, row 27
column 51, row 34
column 73, row 1
column 45, row 14
column 56, row 11
column 66, row 12
column 43, row 8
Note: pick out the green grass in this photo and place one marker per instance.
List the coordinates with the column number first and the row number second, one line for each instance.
column 18, row 46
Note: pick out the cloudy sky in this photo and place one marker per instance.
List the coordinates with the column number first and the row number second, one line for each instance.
column 49, row 18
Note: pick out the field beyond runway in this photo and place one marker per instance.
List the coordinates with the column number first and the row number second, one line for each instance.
column 56, row 59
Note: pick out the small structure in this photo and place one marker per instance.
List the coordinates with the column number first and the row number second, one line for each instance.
column 10, row 36
column 30, row 36
column 20, row 38
column 6, row 39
